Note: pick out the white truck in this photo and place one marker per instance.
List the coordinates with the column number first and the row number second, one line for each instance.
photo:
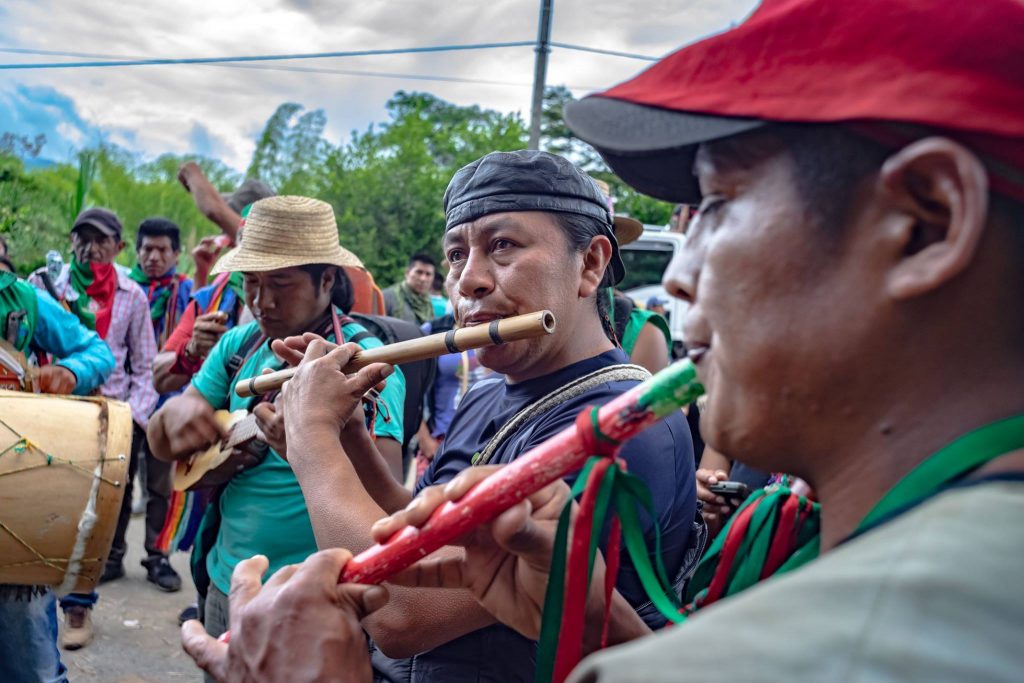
column 646, row 261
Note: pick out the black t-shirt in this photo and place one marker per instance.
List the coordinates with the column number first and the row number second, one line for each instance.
column 662, row 456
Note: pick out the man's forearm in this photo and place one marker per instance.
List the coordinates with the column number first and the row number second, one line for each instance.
column 164, row 380
column 340, row 508
column 342, row 512
column 374, row 473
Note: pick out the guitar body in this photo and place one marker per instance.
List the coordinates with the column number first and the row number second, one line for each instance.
column 188, row 474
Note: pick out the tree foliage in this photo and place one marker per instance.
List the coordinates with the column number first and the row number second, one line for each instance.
column 385, row 183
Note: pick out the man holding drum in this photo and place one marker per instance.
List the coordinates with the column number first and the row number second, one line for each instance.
column 856, row 287
column 526, row 231
column 33, row 321
column 293, row 283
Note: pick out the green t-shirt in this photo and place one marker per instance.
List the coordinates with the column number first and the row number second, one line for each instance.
column 262, row 509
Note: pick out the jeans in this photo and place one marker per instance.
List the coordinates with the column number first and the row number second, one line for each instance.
column 79, row 600
column 28, row 639
column 214, row 613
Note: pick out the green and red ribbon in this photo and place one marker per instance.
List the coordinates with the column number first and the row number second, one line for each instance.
column 607, row 489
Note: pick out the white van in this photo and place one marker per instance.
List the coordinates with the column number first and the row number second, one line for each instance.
column 646, row 261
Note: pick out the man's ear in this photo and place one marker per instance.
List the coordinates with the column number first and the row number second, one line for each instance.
column 120, row 246
column 327, row 280
column 595, row 262
column 940, row 190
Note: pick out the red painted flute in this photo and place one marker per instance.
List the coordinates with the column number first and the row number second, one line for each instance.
column 623, row 418
column 671, row 389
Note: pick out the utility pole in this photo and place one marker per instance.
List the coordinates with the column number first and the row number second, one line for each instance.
column 540, row 71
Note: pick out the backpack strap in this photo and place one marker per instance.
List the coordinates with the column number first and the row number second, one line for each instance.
column 577, row 387
column 242, row 354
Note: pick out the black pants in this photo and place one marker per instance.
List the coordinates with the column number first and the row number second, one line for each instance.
column 158, row 486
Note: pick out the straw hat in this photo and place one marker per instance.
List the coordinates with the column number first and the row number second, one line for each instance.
column 283, row 232
column 627, row 230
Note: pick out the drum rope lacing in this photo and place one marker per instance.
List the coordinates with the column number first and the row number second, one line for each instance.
column 22, row 444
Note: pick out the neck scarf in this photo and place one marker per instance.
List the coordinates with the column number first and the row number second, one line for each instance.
column 419, row 304
column 158, row 289
column 96, row 284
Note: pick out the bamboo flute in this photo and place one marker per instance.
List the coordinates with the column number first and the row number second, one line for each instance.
column 454, row 341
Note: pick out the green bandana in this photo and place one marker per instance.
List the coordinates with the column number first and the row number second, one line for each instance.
column 81, row 279
column 17, row 296
column 419, row 304
column 158, row 290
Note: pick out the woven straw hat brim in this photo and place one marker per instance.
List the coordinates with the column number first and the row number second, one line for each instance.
column 284, row 232
column 237, row 260
column 627, row 230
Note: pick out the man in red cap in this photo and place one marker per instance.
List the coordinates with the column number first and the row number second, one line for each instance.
column 855, row 274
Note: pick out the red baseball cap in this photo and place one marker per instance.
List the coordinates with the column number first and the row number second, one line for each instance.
column 955, row 66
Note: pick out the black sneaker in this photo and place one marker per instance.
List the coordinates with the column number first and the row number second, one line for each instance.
column 112, row 572
column 160, row 572
column 190, row 612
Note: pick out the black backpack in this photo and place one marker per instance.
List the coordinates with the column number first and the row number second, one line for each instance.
column 419, row 375
column 621, row 308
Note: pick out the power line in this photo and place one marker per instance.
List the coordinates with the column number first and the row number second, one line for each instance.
column 261, row 58
column 602, row 51
column 301, row 69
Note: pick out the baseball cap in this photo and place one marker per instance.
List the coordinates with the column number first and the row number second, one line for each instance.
column 656, row 301
column 954, row 66
column 528, row 180
column 104, row 220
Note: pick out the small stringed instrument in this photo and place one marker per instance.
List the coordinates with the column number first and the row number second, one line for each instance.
column 243, row 435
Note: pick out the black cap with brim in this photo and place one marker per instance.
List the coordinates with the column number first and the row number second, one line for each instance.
column 104, row 220
column 650, row 148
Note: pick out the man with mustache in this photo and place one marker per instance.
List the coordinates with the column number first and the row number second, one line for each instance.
column 855, row 284
column 526, row 231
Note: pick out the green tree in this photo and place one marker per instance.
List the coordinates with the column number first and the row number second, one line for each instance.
column 556, row 137
column 387, row 183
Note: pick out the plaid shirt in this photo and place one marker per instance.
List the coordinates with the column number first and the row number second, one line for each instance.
column 130, row 339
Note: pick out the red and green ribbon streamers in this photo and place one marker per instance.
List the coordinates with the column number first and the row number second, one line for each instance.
column 773, row 532
column 606, row 488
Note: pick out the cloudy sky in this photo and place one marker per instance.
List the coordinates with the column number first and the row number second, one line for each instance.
column 219, row 110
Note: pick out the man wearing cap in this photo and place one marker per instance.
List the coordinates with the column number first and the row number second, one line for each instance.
column 855, row 285
column 102, row 295
column 293, row 282
column 526, row 231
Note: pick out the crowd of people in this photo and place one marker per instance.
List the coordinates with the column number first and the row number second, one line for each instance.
column 853, row 264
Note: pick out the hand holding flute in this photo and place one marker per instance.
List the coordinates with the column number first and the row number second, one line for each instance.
column 462, row 339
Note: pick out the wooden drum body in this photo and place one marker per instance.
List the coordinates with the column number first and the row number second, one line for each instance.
column 63, row 468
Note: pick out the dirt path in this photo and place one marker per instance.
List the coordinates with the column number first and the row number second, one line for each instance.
column 136, row 627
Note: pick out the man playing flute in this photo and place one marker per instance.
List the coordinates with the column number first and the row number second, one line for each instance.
column 293, row 283
column 856, row 284
column 526, row 231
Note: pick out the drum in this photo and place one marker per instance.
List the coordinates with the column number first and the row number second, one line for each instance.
column 63, row 469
